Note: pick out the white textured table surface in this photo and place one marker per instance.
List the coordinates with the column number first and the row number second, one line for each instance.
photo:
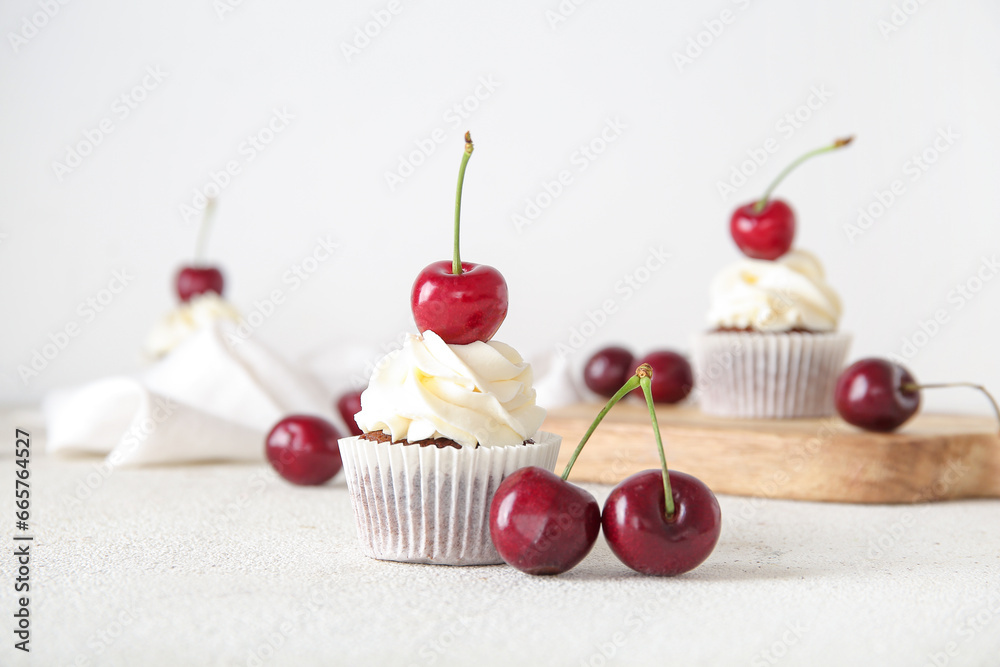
column 228, row 565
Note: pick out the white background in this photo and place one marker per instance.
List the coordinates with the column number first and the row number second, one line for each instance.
column 686, row 127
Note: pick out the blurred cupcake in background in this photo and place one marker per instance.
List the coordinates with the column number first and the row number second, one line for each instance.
column 774, row 349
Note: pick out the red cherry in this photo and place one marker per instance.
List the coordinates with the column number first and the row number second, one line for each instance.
column 767, row 234
column 641, row 536
column 348, row 406
column 607, row 370
column 195, row 280
column 304, row 450
column 541, row 524
column 672, row 378
column 765, row 229
column 459, row 301
column 461, row 308
column 876, row 395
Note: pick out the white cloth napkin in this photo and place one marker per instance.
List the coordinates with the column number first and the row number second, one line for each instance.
column 208, row 400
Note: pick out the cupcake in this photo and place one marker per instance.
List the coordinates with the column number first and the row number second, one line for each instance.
column 443, row 426
column 444, row 420
column 773, row 349
column 188, row 317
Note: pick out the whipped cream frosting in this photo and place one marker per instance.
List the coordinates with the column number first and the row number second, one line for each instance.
column 187, row 318
column 476, row 393
column 774, row 296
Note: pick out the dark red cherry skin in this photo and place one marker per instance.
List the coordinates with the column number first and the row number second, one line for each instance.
column 641, row 536
column 541, row 524
column 460, row 309
column 194, row 280
column 348, row 406
column 672, row 377
column 765, row 235
column 870, row 395
column 303, row 449
column 607, row 370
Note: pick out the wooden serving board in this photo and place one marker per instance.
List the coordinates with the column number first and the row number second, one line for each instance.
column 932, row 457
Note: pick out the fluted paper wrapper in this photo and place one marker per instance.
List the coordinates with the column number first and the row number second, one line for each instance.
column 428, row 505
column 772, row 375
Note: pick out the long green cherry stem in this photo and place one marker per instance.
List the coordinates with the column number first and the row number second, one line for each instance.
column 456, row 262
column 632, row 383
column 645, row 374
column 206, row 222
column 839, row 143
column 912, row 386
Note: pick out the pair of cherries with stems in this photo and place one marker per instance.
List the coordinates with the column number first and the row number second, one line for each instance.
column 659, row 522
column 765, row 228
column 198, row 277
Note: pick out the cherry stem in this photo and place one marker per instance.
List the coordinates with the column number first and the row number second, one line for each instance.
column 206, row 221
column 630, row 384
column 456, row 262
column 912, row 386
column 645, row 373
column 839, row 143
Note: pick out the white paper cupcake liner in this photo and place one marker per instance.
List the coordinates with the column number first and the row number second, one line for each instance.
column 428, row 505
column 773, row 375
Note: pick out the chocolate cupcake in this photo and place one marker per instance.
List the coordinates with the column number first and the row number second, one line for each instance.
column 444, row 424
column 774, row 350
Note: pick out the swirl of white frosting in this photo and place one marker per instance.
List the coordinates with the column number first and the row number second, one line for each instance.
column 201, row 311
column 773, row 296
column 476, row 393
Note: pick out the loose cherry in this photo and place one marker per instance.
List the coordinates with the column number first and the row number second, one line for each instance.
column 672, row 378
column 765, row 229
column 880, row 395
column 459, row 301
column 349, row 405
column 542, row 524
column 199, row 278
column 661, row 522
column 607, row 370
column 303, row 449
